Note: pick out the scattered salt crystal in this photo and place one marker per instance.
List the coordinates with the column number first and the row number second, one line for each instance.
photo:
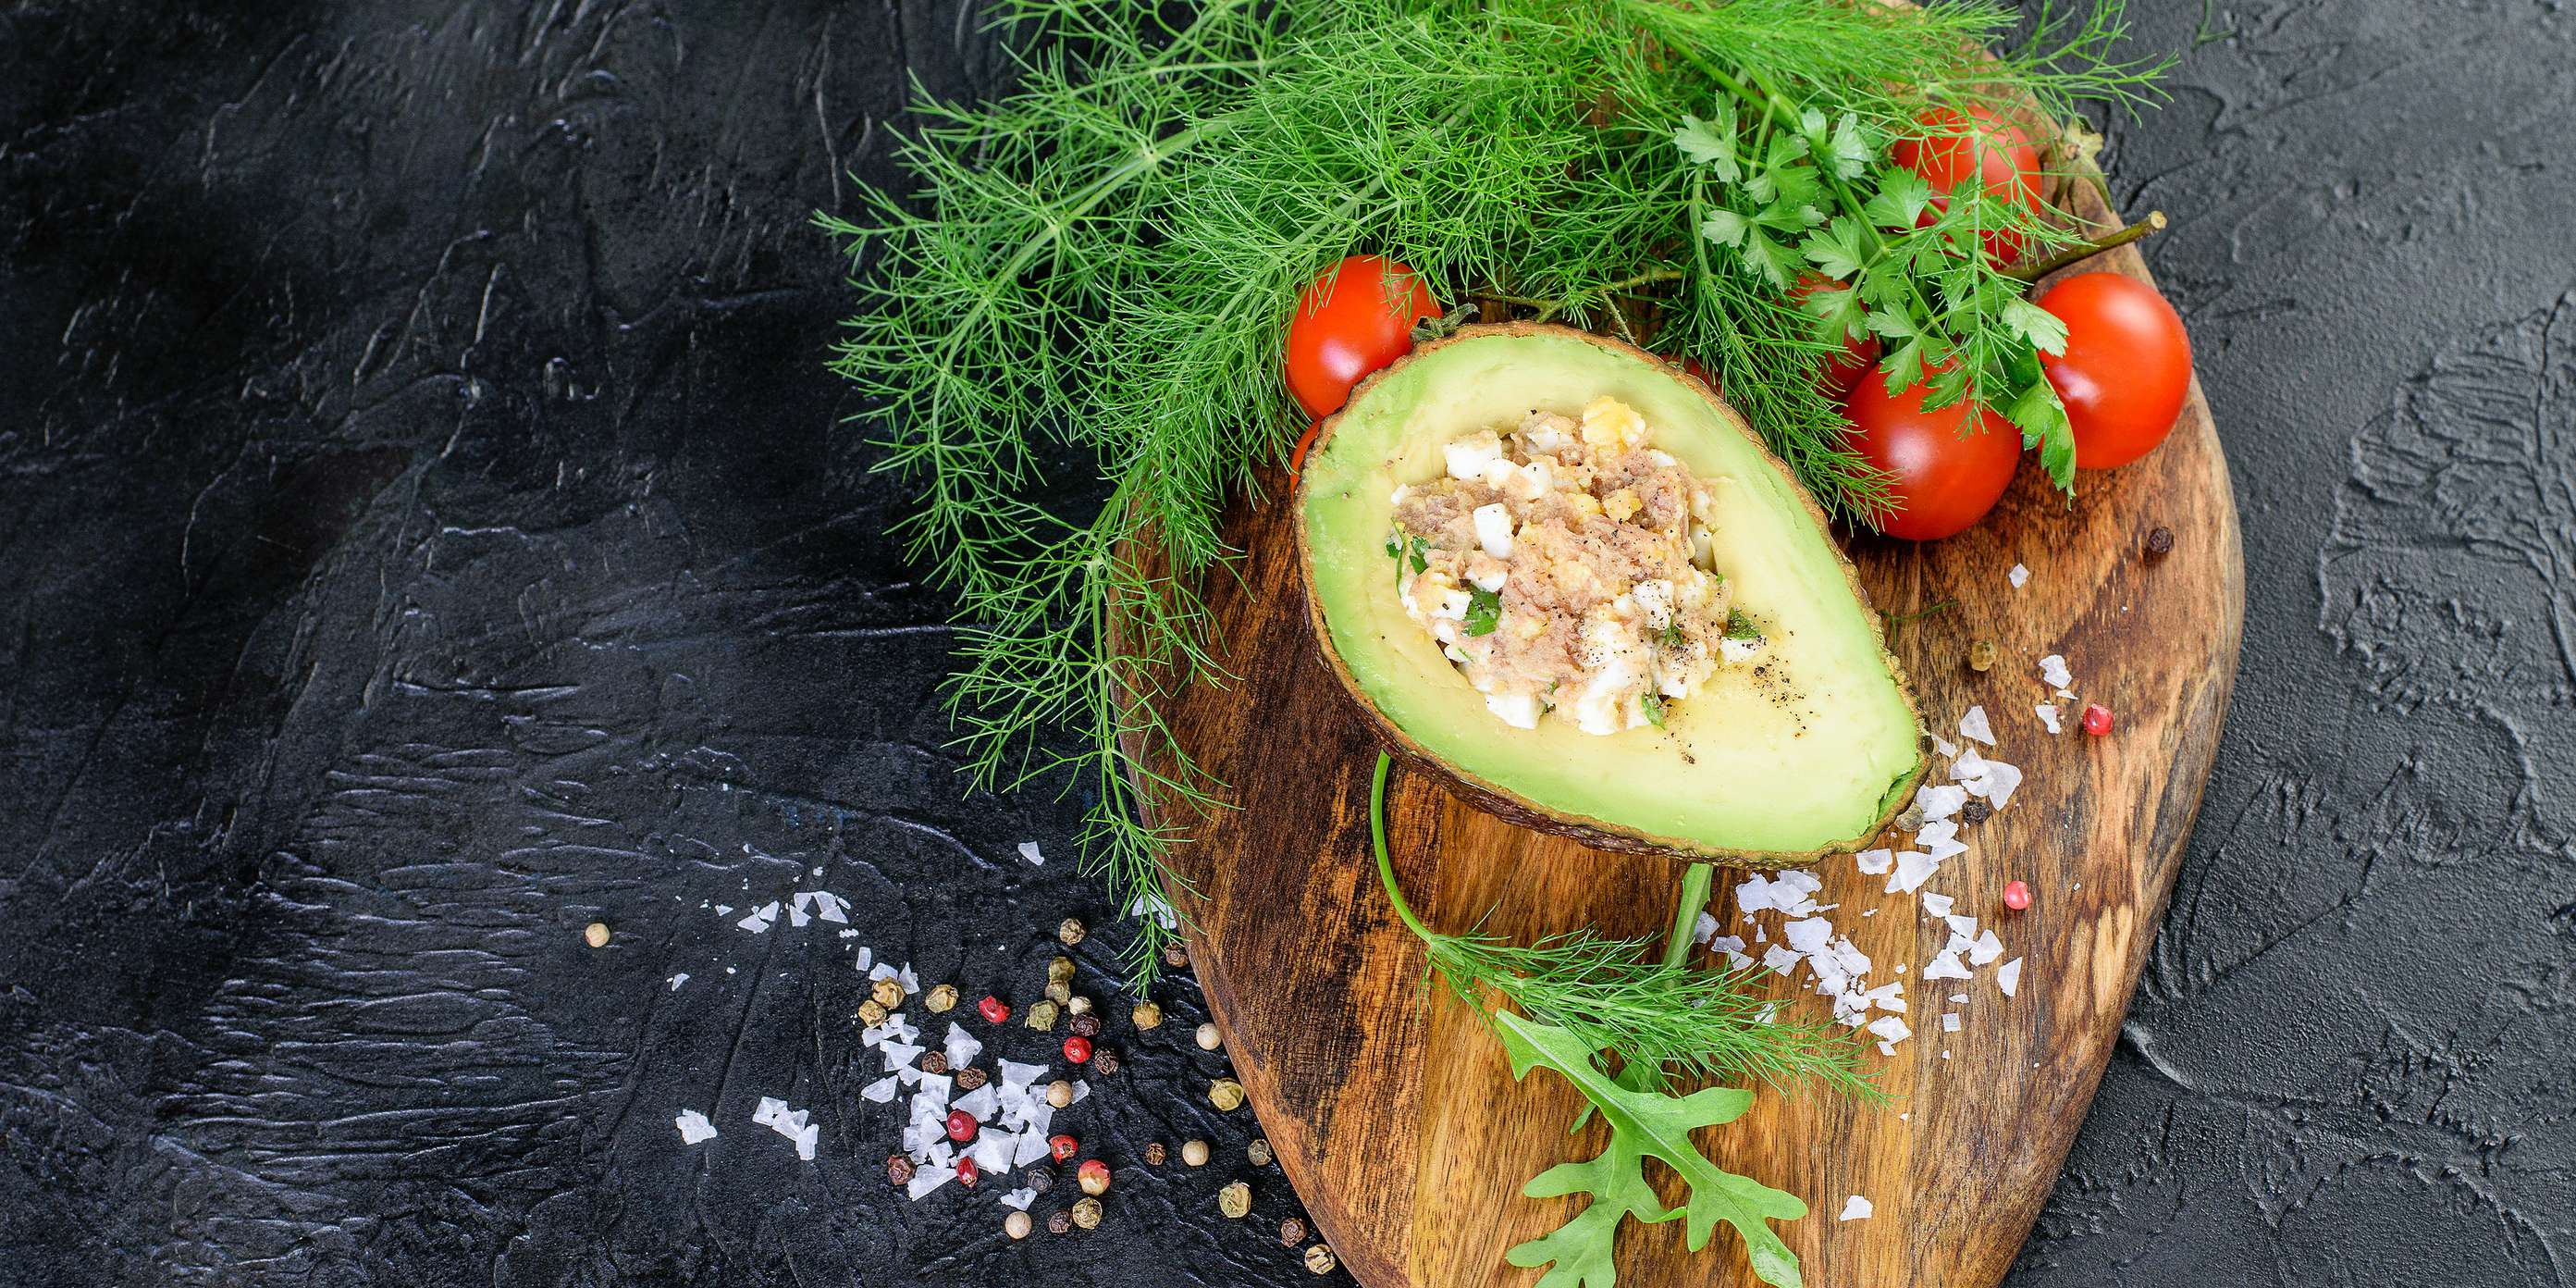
column 1857, row 1208
column 881, row 1090
column 1152, row 905
column 1029, row 851
column 1873, row 863
column 1031, row 1147
column 1733, row 947
column 760, row 917
column 883, row 970
column 2002, row 780
column 1960, row 998
column 1945, row 965
column 1936, row 905
column 1016, row 1074
column 927, row 1179
column 1988, row 948
column 1808, row 935
column 831, row 907
column 678, row 980
column 2052, row 670
column 2048, row 715
column 1975, row 725
column 1912, row 870
column 992, row 1152
column 1940, row 800
column 2017, row 576
column 1020, row 1199
column 1081, row 1090
column 899, row 1054
column 1704, row 929
column 1961, row 924
column 867, row 956
column 2008, row 978
column 911, row 982
column 694, row 1127
column 1887, row 1048
column 806, row 1137
column 721, row 909
column 982, row 1102
column 961, row 1047
column 1950, row 1023
column 1944, row 745
column 1781, row 960
column 1891, row 1028
column 1886, row 997
column 1945, row 1055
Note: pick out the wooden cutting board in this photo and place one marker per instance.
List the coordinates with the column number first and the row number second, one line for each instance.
column 1392, row 1109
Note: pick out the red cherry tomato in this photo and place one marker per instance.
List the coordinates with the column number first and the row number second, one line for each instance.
column 1944, row 481
column 1845, row 369
column 1973, row 145
column 1297, row 458
column 1354, row 320
column 2126, row 367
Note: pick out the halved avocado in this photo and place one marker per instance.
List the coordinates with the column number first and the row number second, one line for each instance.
column 1808, row 752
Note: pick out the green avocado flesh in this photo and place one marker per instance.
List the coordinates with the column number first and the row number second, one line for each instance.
column 1808, row 749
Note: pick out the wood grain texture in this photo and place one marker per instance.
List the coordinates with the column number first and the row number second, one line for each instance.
column 1393, row 1111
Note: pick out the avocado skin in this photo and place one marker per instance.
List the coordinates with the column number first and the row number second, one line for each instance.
column 1502, row 802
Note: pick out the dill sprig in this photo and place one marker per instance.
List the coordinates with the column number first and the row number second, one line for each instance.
column 1098, row 266
column 1653, row 1012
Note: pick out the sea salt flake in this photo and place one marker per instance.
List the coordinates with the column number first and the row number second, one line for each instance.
column 961, row 1047
column 983, row 1102
column 1936, row 905
column 880, row 1091
column 1152, row 905
column 1857, row 1208
column 1873, row 863
column 2008, row 978
column 1809, row 935
column 2018, row 576
column 1961, row 924
column 1988, row 948
column 899, row 1054
column 2048, row 715
column 694, row 1127
column 678, row 980
column 1975, row 725
column 1781, row 960
column 1940, row 800
column 1019, row 1200
column 926, row 1180
column 1704, row 929
column 992, row 1152
column 1016, row 1074
column 2052, row 671
column 1950, row 1023
column 1029, row 851
column 758, row 921
column 1891, row 1028
column 1945, row 965
column 1912, row 870
column 1944, row 745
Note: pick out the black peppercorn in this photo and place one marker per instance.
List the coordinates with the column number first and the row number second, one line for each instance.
column 1291, row 1232
column 934, row 1062
column 1975, row 812
column 1104, row 1060
column 1086, row 1025
column 1039, row 1177
column 1154, row 1153
column 1176, row 956
column 970, row 1078
column 898, row 1169
column 2159, row 542
column 1060, row 1223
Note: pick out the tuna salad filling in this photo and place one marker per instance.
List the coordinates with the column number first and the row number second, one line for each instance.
column 1563, row 566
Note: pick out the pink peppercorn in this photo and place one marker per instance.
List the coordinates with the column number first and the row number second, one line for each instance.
column 968, row 1173
column 2097, row 719
column 993, row 1009
column 2017, row 895
column 1077, row 1049
column 961, row 1126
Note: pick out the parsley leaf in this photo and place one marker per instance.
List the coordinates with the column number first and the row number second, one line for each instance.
column 1740, row 628
column 1484, row 609
column 1654, row 706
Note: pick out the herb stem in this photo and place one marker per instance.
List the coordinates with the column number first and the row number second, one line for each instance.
column 1695, row 884
column 2084, row 250
column 1377, row 841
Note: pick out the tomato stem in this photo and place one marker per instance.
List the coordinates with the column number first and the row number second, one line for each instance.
column 2084, row 250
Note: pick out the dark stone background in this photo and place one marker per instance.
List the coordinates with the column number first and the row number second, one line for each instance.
column 424, row 530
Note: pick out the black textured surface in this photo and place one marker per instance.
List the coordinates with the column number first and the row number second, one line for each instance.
column 423, row 531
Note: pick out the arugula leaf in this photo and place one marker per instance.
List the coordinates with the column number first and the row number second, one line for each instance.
column 1643, row 1125
column 1484, row 608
